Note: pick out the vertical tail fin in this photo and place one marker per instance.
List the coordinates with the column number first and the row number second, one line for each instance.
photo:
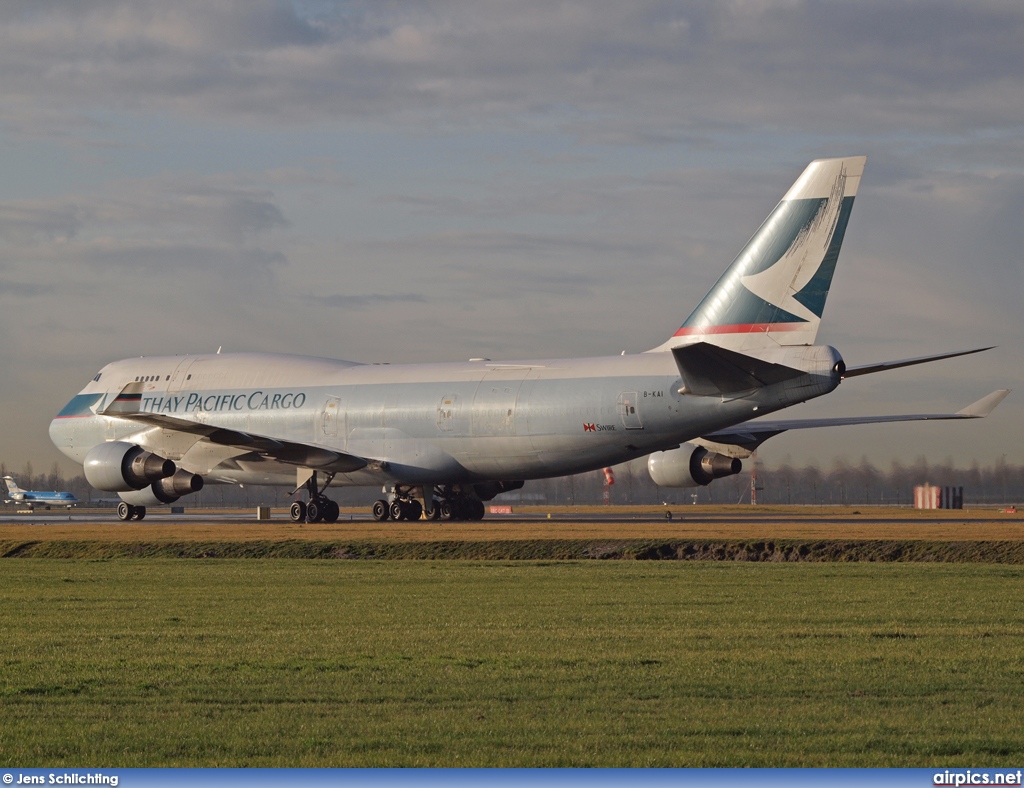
column 12, row 486
column 774, row 292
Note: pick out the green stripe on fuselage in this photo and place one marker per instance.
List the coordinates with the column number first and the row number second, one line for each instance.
column 80, row 405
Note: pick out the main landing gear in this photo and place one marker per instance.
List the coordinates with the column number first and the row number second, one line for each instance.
column 320, row 508
column 125, row 511
column 448, row 502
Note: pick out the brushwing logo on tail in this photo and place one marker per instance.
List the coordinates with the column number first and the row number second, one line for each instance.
column 803, row 260
column 779, row 282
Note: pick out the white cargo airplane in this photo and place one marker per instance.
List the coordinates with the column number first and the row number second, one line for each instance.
column 443, row 438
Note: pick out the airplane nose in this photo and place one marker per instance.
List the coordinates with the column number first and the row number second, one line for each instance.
column 62, row 436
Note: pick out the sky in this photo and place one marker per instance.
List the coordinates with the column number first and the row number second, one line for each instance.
column 436, row 181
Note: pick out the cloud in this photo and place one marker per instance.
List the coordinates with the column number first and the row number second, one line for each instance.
column 645, row 72
column 164, row 225
column 367, row 301
column 24, row 289
column 34, row 221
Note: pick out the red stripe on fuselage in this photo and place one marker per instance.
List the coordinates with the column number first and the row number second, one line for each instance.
column 741, row 328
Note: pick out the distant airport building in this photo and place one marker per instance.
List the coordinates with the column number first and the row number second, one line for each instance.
column 928, row 497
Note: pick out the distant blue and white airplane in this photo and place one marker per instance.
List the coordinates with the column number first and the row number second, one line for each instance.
column 29, row 498
column 442, row 438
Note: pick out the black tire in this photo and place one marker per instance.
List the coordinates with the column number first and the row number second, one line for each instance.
column 314, row 511
column 140, row 513
column 475, row 509
column 298, row 512
column 331, row 511
column 381, row 511
column 125, row 511
column 435, row 510
column 414, row 510
column 397, row 510
column 447, row 510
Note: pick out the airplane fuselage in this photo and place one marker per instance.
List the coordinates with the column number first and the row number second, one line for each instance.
column 422, row 423
column 443, row 438
column 31, row 498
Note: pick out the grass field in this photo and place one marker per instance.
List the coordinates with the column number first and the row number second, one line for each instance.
column 441, row 663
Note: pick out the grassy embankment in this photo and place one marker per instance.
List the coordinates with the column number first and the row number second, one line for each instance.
column 769, row 550
column 716, row 533
column 163, row 662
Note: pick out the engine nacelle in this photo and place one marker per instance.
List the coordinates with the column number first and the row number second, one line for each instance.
column 118, row 467
column 690, row 466
column 164, row 491
column 182, row 483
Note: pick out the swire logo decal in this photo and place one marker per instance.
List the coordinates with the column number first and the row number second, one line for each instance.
column 589, row 428
column 598, row 427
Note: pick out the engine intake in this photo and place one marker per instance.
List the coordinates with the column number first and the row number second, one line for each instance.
column 690, row 466
column 119, row 466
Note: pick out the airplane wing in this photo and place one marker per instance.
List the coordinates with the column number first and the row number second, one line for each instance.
column 307, row 455
column 752, row 434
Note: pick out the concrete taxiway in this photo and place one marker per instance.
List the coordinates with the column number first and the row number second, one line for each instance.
column 697, row 522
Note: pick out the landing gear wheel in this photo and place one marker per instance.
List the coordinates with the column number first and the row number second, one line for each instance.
column 381, row 511
column 314, row 511
column 125, row 511
column 397, row 510
column 298, row 512
column 140, row 513
column 435, row 510
column 474, row 509
column 414, row 510
column 331, row 511
column 447, row 510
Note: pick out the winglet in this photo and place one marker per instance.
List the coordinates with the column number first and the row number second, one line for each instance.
column 128, row 401
column 984, row 406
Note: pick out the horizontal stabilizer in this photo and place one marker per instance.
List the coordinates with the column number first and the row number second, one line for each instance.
column 752, row 434
column 710, row 371
column 868, row 369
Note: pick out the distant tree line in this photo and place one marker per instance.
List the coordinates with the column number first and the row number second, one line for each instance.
column 843, row 483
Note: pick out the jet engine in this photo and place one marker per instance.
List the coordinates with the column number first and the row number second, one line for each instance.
column 165, row 491
column 690, row 466
column 118, row 466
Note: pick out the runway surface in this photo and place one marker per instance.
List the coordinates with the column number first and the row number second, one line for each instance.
column 687, row 522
